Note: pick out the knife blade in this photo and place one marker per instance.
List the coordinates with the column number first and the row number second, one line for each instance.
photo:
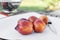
column 51, row 27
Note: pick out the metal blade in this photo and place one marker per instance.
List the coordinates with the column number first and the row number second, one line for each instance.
column 51, row 27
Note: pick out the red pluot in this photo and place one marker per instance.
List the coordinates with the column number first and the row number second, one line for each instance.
column 39, row 25
column 24, row 27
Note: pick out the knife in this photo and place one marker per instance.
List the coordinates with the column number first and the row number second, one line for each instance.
column 51, row 27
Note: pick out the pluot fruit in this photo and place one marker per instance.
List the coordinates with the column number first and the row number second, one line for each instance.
column 24, row 27
column 39, row 26
column 45, row 19
column 33, row 23
column 32, row 18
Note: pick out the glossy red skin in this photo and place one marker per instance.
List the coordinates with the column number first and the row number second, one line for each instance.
column 4, row 14
column 22, row 19
column 45, row 19
column 32, row 18
column 25, row 27
column 39, row 26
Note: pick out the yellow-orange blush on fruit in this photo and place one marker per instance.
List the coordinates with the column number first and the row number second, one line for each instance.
column 45, row 19
column 39, row 26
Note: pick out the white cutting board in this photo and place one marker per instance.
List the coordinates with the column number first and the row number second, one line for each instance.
column 7, row 28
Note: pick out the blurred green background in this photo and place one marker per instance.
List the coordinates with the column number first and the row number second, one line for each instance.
column 0, row 7
column 37, row 5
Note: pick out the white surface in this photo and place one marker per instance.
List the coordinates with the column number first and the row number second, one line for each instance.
column 7, row 28
column 2, row 16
